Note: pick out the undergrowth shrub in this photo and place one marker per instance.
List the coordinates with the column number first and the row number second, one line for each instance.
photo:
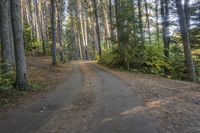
column 154, row 61
column 177, row 62
column 6, row 85
column 148, row 59
column 110, row 58
column 32, row 46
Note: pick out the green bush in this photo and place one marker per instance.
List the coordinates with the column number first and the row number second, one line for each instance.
column 149, row 59
column 110, row 58
column 154, row 61
column 32, row 46
column 177, row 62
column 6, row 86
column 6, row 81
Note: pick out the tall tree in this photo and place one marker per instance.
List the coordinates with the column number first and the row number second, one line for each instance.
column 187, row 12
column 97, row 26
column 53, row 30
column 39, row 23
column 186, row 42
column 165, row 29
column 111, row 20
column 157, row 18
column 59, row 25
column 5, row 36
column 21, row 70
column 147, row 20
column 140, row 21
column 118, row 25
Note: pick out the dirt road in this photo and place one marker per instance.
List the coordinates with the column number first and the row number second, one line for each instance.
column 90, row 101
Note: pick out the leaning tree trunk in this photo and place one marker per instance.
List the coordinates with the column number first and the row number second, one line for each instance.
column 21, row 71
column 5, row 36
column 186, row 42
column 53, row 32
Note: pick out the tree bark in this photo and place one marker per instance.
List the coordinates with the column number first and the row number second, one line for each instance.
column 157, row 24
column 111, row 20
column 187, row 12
column 59, row 25
column 21, row 69
column 53, row 32
column 140, row 22
column 31, row 19
column 5, row 36
column 118, row 25
column 97, row 27
column 147, row 20
column 39, row 25
column 186, row 43
column 107, row 28
column 165, row 30
column 11, row 38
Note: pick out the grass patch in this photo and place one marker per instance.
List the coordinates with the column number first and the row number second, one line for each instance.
column 36, row 86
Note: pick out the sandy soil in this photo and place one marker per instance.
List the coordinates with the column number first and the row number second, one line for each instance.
column 90, row 101
column 95, row 99
column 175, row 104
column 42, row 74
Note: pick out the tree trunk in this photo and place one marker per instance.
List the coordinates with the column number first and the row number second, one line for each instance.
column 187, row 12
column 39, row 23
column 60, row 39
column 165, row 30
column 97, row 26
column 147, row 20
column 82, row 29
column 134, row 21
column 186, row 43
column 111, row 20
column 118, row 25
column 140, row 22
column 5, row 36
column 53, row 32
column 11, row 38
column 21, row 70
column 59, row 23
column 29, row 2
column 86, row 36
column 107, row 28
column 157, row 24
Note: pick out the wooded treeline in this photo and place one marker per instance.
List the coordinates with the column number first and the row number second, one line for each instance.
column 153, row 36
column 28, row 27
column 156, row 36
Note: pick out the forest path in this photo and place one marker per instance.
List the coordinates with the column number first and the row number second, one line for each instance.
column 90, row 101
